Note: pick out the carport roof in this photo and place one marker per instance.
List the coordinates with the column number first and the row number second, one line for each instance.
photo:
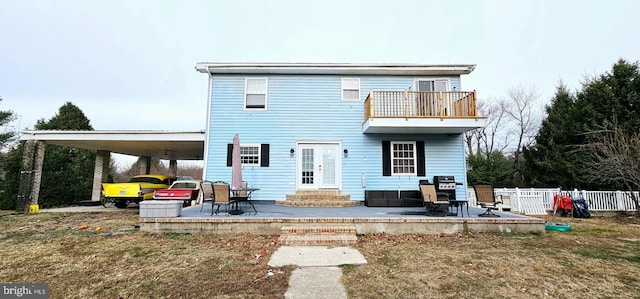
column 168, row 145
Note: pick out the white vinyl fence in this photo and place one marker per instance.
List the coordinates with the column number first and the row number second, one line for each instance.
column 531, row 201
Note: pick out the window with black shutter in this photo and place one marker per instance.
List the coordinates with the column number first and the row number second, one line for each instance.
column 403, row 158
column 250, row 155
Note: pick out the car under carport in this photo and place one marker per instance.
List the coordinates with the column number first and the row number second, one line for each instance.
column 166, row 145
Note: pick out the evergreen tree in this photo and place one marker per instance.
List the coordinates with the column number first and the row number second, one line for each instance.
column 562, row 154
column 494, row 168
column 11, row 165
column 550, row 162
column 610, row 102
column 612, row 99
column 68, row 118
column 7, row 134
column 67, row 174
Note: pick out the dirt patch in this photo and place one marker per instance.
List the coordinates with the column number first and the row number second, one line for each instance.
column 6, row 212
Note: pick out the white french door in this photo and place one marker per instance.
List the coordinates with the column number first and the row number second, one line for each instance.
column 319, row 166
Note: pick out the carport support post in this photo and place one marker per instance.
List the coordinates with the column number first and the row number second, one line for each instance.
column 145, row 165
column 100, row 173
column 37, row 175
column 173, row 167
column 31, row 175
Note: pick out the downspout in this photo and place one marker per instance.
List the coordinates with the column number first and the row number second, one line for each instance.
column 465, row 185
column 205, row 157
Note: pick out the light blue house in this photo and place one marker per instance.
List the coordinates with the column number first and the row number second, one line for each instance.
column 340, row 129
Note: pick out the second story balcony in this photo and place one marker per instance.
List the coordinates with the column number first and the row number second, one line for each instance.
column 421, row 112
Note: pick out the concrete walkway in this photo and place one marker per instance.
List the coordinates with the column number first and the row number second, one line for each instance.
column 318, row 275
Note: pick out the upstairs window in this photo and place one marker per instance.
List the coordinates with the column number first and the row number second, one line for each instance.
column 350, row 89
column 255, row 93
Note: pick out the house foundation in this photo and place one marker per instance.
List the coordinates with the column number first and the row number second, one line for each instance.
column 362, row 225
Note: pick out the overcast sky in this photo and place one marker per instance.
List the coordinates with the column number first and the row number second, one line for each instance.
column 130, row 64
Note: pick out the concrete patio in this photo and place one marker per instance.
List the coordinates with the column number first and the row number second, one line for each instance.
column 272, row 219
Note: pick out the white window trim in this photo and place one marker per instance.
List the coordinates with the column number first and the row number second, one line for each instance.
column 259, row 146
column 266, row 93
column 415, row 81
column 342, row 89
column 415, row 158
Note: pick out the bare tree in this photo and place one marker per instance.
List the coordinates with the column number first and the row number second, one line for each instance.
column 523, row 110
column 157, row 167
column 616, row 160
column 483, row 140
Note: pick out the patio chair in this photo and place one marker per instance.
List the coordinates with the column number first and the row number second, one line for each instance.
column 486, row 198
column 221, row 196
column 206, row 194
column 436, row 204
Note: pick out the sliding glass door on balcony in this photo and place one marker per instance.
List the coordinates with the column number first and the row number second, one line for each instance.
column 431, row 85
column 431, row 102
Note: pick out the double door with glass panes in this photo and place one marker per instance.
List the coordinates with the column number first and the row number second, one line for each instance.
column 318, row 166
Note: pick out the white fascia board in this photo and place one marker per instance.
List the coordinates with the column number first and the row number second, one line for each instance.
column 422, row 125
column 335, row 68
column 113, row 135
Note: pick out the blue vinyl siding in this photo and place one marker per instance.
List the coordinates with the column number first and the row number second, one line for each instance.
column 444, row 155
column 309, row 108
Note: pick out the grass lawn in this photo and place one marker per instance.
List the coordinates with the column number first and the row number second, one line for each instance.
column 599, row 258
column 120, row 262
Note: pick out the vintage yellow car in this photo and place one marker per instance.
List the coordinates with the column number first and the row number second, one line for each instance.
column 139, row 188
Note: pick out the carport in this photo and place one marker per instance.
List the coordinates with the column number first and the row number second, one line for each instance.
column 165, row 145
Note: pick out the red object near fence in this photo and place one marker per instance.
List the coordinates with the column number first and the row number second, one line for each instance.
column 561, row 203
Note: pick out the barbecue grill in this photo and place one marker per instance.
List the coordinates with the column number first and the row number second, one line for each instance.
column 445, row 184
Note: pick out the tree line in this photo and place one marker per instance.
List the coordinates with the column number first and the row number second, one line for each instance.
column 588, row 139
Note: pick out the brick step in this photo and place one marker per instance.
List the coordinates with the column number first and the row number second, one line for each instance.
column 318, row 192
column 317, row 240
column 301, row 230
column 315, row 197
column 317, row 235
column 318, row 198
column 322, row 203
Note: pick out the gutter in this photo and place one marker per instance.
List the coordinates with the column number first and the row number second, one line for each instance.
column 334, row 68
column 205, row 155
